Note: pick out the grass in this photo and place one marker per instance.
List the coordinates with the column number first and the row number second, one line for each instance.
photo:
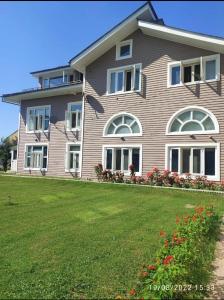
column 70, row 239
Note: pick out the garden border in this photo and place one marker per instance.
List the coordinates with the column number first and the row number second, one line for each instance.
column 111, row 183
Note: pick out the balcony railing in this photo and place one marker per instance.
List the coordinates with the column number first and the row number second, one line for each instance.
column 53, row 86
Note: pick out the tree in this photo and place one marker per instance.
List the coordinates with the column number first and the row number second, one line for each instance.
column 5, row 153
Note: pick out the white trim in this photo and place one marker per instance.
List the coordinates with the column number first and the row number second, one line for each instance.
column 109, row 35
column 68, row 151
column 200, row 60
column 182, row 110
column 123, row 146
column 83, row 116
column 27, row 117
column 35, row 144
column 118, row 49
column 106, row 126
column 216, row 177
column 197, row 39
column 69, row 128
column 123, row 69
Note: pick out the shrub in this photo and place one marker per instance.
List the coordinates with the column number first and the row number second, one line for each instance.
column 182, row 265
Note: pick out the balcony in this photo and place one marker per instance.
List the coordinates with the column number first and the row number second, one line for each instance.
column 44, row 91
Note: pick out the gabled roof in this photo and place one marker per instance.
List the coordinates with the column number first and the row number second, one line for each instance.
column 182, row 36
column 120, row 31
column 36, row 73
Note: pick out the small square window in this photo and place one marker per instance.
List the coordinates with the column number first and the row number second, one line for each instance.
column 124, row 50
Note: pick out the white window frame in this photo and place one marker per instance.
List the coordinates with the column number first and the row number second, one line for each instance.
column 28, row 114
column 33, row 145
column 122, row 114
column 67, row 157
column 189, row 108
column 118, row 49
column 68, row 116
column 200, row 60
column 123, row 69
column 202, row 146
column 122, row 146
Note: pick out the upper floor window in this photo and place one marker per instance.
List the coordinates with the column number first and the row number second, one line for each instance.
column 123, row 124
column 36, row 157
column 198, row 70
column 124, row 50
column 38, row 118
column 55, row 81
column 124, row 79
column 74, row 116
column 192, row 120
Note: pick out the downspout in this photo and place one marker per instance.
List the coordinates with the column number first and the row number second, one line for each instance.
column 83, row 117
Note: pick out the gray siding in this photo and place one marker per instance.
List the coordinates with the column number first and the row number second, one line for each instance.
column 153, row 107
column 56, row 139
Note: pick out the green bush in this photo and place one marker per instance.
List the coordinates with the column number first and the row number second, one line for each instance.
column 182, row 266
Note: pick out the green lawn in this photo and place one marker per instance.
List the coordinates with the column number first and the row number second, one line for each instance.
column 70, row 239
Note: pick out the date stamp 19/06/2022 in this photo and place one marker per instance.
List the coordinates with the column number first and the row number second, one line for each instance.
column 184, row 287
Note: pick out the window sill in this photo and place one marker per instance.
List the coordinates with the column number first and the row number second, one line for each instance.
column 193, row 132
column 121, row 135
column 35, row 169
column 121, row 93
column 37, row 131
column 72, row 171
column 74, row 129
column 192, row 83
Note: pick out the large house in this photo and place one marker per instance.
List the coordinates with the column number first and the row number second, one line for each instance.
column 144, row 93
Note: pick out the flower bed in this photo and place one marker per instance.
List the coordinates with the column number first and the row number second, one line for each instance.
column 159, row 178
column 181, row 269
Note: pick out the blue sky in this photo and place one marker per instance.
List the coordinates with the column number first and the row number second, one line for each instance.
column 38, row 35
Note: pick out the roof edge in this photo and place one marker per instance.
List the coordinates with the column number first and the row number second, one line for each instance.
column 50, row 69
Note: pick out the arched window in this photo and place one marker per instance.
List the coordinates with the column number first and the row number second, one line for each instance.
column 123, row 124
column 193, row 120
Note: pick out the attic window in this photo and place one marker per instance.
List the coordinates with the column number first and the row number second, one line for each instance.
column 124, row 50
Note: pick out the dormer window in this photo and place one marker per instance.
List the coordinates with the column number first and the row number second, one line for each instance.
column 124, row 50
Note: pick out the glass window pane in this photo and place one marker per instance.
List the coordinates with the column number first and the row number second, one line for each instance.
column 186, row 160
column 191, row 126
column 128, row 75
column 75, row 148
column 197, row 161
column 175, row 126
column 75, row 107
column 125, row 159
column 111, row 129
column 175, row 76
column 197, row 72
column 135, row 159
column 208, row 124
column 123, row 130
column 120, row 80
column 118, row 121
column 37, row 149
column 71, row 160
column 118, row 159
column 74, row 120
column 210, row 70
column 46, row 83
column 56, row 81
column 185, row 116
column 45, row 162
column 137, row 78
column 78, row 119
column 45, row 151
column 109, row 159
column 135, row 128
column 198, row 115
column 209, row 161
column 77, row 161
column 125, row 50
column 112, row 82
column 187, row 74
column 174, row 160
column 128, row 120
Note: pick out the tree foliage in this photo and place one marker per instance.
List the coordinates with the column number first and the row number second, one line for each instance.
column 5, row 153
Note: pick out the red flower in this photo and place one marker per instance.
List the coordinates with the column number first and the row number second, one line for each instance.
column 199, row 210
column 168, row 260
column 194, row 218
column 151, row 267
column 162, row 233
column 155, row 169
column 149, row 174
column 132, row 292
column 144, row 274
column 209, row 213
